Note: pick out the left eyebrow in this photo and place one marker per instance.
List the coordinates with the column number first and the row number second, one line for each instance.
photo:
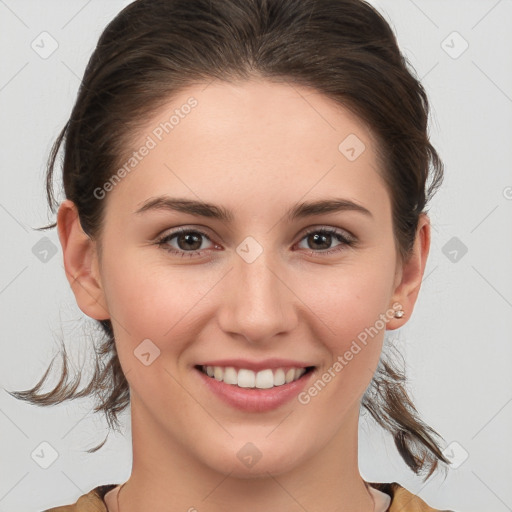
column 308, row 209
column 203, row 209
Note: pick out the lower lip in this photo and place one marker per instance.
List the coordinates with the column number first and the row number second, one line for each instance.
column 253, row 399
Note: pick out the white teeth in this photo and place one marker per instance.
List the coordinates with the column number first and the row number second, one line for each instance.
column 230, row 376
column 279, row 379
column 265, row 379
column 246, row 378
column 243, row 378
column 290, row 375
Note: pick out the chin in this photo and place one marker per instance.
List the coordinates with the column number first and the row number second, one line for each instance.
column 247, row 460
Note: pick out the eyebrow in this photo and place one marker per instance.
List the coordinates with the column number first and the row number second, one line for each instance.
column 203, row 209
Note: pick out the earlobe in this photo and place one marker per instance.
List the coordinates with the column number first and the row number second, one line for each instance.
column 81, row 262
column 411, row 275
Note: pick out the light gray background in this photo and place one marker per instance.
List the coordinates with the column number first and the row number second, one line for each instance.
column 457, row 344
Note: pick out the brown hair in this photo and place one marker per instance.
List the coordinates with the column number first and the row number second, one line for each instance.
column 342, row 48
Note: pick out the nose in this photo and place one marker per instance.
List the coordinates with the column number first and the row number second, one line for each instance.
column 257, row 301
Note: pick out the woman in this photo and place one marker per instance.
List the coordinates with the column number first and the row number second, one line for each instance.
column 245, row 216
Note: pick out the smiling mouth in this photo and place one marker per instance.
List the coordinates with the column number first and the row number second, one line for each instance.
column 245, row 378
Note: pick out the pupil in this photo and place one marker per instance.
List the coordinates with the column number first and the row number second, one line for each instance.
column 189, row 239
column 317, row 237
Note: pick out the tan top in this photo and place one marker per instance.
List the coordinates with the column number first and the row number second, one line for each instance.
column 401, row 500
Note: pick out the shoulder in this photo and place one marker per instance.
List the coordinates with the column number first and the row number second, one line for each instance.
column 402, row 500
column 90, row 502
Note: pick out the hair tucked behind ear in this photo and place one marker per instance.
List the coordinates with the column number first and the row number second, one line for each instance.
column 343, row 49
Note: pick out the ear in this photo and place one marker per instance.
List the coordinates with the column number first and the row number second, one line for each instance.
column 410, row 274
column 81, row 262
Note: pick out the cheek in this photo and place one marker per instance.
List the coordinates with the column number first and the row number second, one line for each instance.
column 354, row 299
column 151, row 300
column 152, row 315
column 139, row 291
column 354, row 309
column 141, row 304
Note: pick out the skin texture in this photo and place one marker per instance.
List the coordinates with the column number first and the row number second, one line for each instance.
column 256, row 148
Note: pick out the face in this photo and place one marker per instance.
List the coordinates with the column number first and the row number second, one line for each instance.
column 271, row 283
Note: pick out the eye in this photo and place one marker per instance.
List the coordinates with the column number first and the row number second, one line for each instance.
column 188, row 241
column 320, row 239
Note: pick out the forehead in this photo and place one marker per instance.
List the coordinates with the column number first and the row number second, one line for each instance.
column 245, row 141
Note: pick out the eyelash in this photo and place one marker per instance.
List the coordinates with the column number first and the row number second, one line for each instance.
column 346, row 241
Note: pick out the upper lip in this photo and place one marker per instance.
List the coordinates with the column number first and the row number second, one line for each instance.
column 256, row 366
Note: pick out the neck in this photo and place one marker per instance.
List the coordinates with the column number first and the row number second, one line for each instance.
column 164, row 473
